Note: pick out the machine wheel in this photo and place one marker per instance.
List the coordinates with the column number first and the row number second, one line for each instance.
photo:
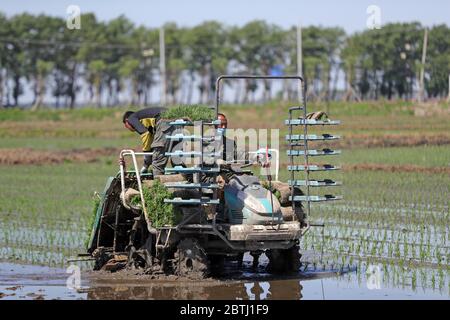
column 216, row 262
column 102, row 256
column 191, row 260
column 284, row 260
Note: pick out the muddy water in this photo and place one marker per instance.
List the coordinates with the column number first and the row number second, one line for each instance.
column 35, row 282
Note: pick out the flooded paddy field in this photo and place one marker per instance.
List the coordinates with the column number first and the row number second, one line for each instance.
column 389, row 238
column 30, row 282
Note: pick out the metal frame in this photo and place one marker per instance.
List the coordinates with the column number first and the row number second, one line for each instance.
column 133, row 154
column 302, row 106
column 198, row 167
column 301, row 140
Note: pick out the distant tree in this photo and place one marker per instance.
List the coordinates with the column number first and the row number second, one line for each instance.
column 118, row 37
column 258, row 47
column 147, row 53
column 350, row 57
column 4, row 31
column 178, row 49
column 97, row 71
column 43, row 69
column 438, row 62
column 129, row 69
column 206, row 42
column 115, row 57
column 384, row 62
column 321, row 57
column 20, row 54
column 91, row 44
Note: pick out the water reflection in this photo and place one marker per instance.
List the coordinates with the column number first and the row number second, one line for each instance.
column 234, row 284
column 241, row 290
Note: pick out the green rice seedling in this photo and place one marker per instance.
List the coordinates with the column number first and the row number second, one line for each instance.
column 193, row 113
column 159, row 212
column 433, row 281
column 414, row 280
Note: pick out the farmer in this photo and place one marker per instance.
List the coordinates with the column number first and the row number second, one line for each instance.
column 147, row 124
column 227, row 144
column 224, row 146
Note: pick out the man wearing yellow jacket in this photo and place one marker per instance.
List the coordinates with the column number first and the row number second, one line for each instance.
column 146, row 123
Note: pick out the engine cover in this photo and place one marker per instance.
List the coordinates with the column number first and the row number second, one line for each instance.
column 248, row 202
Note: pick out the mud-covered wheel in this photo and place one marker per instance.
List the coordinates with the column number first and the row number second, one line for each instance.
column 101, row 257
column 191, row 260
column 284, row 260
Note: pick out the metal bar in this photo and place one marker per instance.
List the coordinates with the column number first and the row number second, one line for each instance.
column 131, row 152
column 116, row 223
column 192, row 185
column 200, row 190
column 291, row 159
column 194, row 226
column 315, row 183
column 309, row 199
column 167, row 238
column 322, row 225
column 100, row 227
column 312, row 122
column 269, row 178
column 181, row 122
column 306, row 153
column 313, row 152
column 192, row 169
column 312, row 137
column 142, row 174
column 200, row 154
column 182, row 137
column 191, row 201
column 138, row 178
column 326, row 167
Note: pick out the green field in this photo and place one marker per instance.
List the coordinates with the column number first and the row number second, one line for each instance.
column 399, row 218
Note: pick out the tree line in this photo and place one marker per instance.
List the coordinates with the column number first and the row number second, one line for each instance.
column 118, row 62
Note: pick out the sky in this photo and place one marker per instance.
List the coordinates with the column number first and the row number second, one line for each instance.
column 348, row 14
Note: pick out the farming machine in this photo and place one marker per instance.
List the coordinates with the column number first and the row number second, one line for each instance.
column 225, row 210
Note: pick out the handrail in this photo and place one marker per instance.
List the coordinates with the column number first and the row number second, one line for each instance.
column 133, row 154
